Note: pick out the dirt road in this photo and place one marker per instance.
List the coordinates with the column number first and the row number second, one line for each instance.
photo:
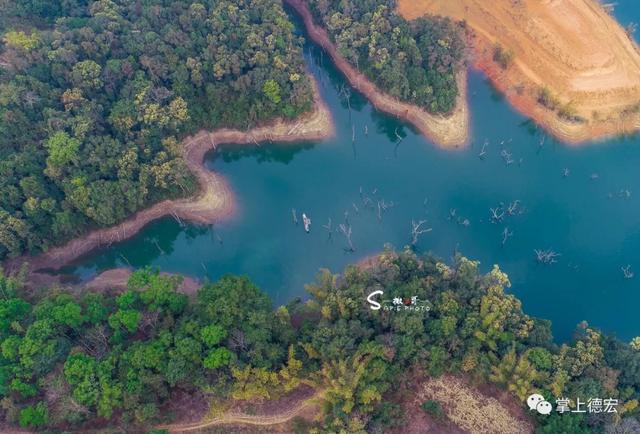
column 284, row 415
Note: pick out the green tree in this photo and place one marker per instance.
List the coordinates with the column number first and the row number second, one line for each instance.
column 271, row 89
column 34, row 416
column 62, row 150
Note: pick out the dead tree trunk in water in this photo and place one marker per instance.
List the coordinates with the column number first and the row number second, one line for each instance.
column 546, row 257
column 329, row 228
column 483, row 151
column 346, row 231
column 416, row 231
column 506, row 234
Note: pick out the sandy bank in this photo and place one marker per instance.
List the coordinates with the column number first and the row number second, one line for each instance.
column 117, row 278
column 445, row 131
column 213, row 203
column 573, row 48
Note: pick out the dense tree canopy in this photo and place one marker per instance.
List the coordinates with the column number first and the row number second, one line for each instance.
column 473, row 328
column 96, row 95
column 416, row 62
column 69, row 361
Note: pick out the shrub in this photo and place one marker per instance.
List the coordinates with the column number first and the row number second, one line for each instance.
column 503, row 56
column 434, row 409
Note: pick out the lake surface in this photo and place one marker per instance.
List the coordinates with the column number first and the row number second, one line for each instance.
column 593, row 223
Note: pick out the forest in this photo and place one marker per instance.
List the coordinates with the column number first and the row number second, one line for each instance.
column 95, row 97
column 416, row 61
column 78, row 359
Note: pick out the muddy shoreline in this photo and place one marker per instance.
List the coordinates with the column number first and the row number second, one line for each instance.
column 574, row 53
column 213, row 203
column 525, row 103
column 448, row 132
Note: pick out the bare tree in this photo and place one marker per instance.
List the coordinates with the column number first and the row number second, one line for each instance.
column 125, row 259
column 541, row 143
column 483, row 151
column 398, row 136
column 162, row 252
column 513, row 207
column 417, row 230
column 177, row 219
column 329, row 228
column 346, row 231
column 497, row 214
column 506, row 234
column 507, row 157
column 383, row 206
column 546, row 257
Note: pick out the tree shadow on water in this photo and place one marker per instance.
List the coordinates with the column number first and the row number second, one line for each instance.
column 267, row 152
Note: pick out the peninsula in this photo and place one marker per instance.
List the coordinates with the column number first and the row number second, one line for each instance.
column 567, row 64
column 214, row 201
column 448, row 131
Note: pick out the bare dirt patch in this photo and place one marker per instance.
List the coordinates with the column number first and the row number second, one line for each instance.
column 574, row 48
column 213, row 203
column 471, row 410
column 451, row 131
column 275, row 414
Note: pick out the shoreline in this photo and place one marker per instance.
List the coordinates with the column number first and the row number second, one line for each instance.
column 118, row 279
column 213, row 203
column 601, row 85
column 526, row 104
column 447, row 132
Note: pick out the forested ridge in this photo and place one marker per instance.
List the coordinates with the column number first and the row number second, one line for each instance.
column 95, row 97
column 416, row 61
column 70, row 360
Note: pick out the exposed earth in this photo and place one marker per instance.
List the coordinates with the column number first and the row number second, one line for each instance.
column 573, row 48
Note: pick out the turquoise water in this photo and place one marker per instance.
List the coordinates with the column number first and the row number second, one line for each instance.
column 593, row 223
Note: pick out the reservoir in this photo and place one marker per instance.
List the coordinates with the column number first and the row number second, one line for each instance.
column 581, row 202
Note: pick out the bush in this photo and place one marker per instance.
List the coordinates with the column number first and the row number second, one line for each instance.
column 546, row 98
column 503, row 57
column 34, row 416
column 434, row 409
